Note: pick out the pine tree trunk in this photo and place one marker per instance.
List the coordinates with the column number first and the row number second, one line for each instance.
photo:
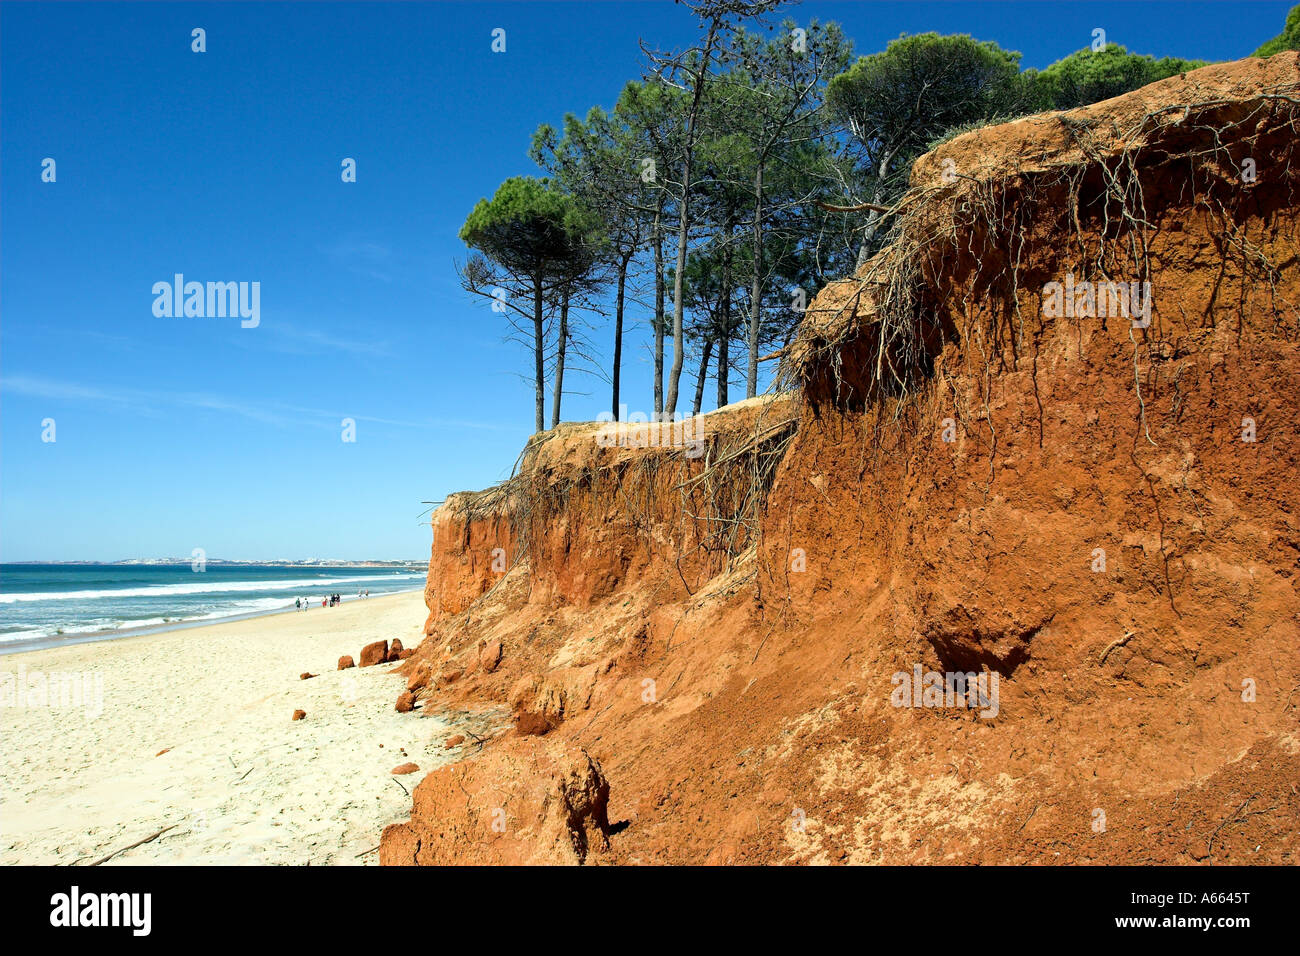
column 724, row 360
column 539, row 420
column 873, row 217
column 679, row 346
column 724, row 335
column 756, row 288
column 868, row 237
column 658, row 239
column 618, row 331
column 559, row 358
column 704, row 373
column 684, row 218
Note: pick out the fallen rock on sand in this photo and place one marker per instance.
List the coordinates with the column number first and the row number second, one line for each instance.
column 299, row 714
column 405, row 768
column 346, row 661
column 375, row 653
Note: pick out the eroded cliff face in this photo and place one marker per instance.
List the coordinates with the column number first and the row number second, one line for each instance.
column 1091, row 508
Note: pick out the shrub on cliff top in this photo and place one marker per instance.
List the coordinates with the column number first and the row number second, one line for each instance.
column 1288, row 39
column 1089, row 77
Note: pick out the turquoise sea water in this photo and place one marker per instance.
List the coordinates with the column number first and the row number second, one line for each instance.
column 48, row 603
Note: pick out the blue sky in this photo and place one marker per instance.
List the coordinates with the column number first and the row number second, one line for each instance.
column 176, row 433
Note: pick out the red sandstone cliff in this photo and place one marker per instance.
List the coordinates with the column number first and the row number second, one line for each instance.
column 693, row 658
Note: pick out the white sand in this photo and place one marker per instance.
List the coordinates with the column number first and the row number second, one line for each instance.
column 242, row 782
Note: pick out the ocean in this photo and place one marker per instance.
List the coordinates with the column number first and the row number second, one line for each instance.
column 44, row 604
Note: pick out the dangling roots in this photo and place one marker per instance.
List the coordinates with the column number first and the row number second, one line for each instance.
column 876, row 340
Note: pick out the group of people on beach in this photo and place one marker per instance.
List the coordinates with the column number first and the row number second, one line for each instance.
column 328, row 601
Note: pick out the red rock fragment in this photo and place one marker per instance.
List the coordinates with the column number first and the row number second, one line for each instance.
column 375, row 653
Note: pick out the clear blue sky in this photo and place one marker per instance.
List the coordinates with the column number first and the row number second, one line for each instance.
column 181, row 433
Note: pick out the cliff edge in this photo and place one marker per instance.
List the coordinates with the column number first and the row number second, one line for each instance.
column 1004, row 573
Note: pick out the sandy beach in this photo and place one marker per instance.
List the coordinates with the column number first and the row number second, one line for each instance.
column 240, row 782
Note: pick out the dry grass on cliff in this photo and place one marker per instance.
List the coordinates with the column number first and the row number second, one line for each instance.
column 718, row 488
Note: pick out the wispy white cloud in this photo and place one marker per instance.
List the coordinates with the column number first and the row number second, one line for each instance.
column 294, row 339
column 362, row 256
column 147, row 402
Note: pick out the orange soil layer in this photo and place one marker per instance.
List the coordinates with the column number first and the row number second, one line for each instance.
column 693, row 658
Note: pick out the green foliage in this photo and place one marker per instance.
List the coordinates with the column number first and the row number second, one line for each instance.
column 897, row 101
column 727, row 166
column 710, row 297
column 530, row 228
column 1089, row 77
column 1288, row 39
column 598, row 162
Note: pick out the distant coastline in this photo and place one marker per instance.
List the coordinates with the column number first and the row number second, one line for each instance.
column 281, row 563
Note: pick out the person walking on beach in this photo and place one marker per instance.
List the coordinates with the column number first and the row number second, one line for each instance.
column 297, row 604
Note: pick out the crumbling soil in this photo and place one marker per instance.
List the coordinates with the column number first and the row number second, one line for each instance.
column 699, row 656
